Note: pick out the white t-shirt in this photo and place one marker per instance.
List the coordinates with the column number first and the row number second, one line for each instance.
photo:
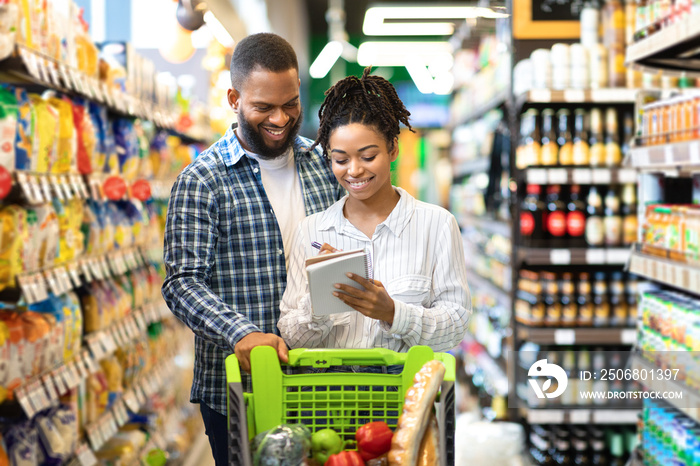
column 283, row 188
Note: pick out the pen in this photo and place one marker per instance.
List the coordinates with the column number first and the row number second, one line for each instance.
column 316, row 244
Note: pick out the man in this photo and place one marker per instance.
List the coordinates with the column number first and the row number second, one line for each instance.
column 231, row 217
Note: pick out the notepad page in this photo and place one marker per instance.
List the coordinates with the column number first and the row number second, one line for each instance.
column 324, row 275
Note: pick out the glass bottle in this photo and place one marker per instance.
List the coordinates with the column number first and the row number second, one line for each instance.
column 628, row 134
column 566, row 146
column 618, row 303
column 599, row 456
column 584, row 300
column 548, row 148
column 601, row 302
column 612, row 223
column 595, row 141
column 556, row 217
column 532, row 217
column 595, row 233
column 613, row 153
column 629, row 214
column 581, row 151
column 552, row 304
column 576, row 218
column 563, row 442
column 528, row 151
column 569, row 308
column 617, row 451
column 581, row 456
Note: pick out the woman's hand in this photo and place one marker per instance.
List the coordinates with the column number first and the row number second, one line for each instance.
column 326, row 249
column 373, row 301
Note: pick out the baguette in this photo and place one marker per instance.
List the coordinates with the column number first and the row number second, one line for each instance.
column 414, row 418
column 429, row 451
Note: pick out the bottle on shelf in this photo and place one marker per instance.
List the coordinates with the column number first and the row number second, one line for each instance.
column 601, row 301
column 581, row 455
column 618, row 301
column 528, row 151
column 614, row 40
column 576, row 217
column 532, row 217
column 584, row 300
column 556, row 217
column 612, row 222
column 627, row 134
column 599, row 454
column 630, row 222
column 595, row 232
column 563, row 442
column 548, row 147
column 613, row 152
column 617, row 449
column 552, row 303
column 564, row 140
column 581, row 151
column 595, row 140
column 569, row 308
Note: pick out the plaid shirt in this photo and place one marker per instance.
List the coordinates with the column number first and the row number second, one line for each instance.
column 224, row 257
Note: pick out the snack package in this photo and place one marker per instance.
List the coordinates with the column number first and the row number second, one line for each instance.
column 111, row 165
column 145, row 164
column 48, row 234
column 26, row 123
column 66, row 423
column 127, row 148
column 45, row 132
column 123, row 233
column 53, row 450
column 97, row 396
column 4, row 366
column 12, row 240
column 31, row 247
column 85, row 137
column 98, row 115
column 71, row 302
column 16, row 364
column 62, row 330
column 36, row 335
column 66, row 144
column 8, row 128
column 92, row 318
column 4, row 459
column 54, row 352
column 22, row 444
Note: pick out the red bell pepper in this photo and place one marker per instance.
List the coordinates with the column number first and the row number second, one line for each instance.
column 345, row 458
column 373, row 439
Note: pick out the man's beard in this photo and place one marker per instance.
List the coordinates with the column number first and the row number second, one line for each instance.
column 257, row 144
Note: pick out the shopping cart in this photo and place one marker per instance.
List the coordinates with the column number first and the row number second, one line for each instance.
column 342, row 401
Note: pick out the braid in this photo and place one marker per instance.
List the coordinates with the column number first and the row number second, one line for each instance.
column 369, row 100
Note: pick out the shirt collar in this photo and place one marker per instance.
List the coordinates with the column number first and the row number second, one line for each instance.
column 231, row 150
column 396, row 221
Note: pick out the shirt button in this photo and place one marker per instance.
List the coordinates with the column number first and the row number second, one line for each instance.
column 280, row 252
column 255, row 170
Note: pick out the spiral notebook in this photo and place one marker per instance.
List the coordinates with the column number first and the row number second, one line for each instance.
column 326, row 270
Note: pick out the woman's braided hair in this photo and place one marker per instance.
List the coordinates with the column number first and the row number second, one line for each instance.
column 369, row 100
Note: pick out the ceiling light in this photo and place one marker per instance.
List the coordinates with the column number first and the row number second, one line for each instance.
column 395, row 53
column 375, row 23
column 421, row 76
column 326, row 59
column 218, row 30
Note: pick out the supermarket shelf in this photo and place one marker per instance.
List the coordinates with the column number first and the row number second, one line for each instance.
column 574, row 256
column 598, row 416
column 29, row 67
column 477, row 281
column 682, row 276
column 495, row 102
column 680, row 155
column 689, row 404
column 480, row 165
column 578, row 336
column 476, row 356
column 574, row 175
column 577, row 96
column 672, row 48
column 488, row 224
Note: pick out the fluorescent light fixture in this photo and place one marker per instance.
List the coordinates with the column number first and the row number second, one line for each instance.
column 218, row 30
column 376, row 24
column 395, row 53
column 326, row 59
column 421, row 76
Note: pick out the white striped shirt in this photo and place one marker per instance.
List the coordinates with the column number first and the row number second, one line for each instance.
column 418, row 256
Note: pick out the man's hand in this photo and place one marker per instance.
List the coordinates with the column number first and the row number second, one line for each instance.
column 246, row 344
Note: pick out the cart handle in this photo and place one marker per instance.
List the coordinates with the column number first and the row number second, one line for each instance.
column 326, row 357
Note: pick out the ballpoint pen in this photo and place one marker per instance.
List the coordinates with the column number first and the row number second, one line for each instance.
column 316, row 244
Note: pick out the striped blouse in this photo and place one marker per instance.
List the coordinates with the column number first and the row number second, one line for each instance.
column 418, row 256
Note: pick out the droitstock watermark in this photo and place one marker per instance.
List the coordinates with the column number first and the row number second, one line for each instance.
column 597, row 378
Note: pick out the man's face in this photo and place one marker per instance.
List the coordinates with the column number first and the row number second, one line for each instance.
column 269, row 111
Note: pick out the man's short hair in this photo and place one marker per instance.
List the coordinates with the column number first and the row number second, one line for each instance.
column 264, row 50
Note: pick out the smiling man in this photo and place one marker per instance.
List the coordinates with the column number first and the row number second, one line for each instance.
column 230, row 221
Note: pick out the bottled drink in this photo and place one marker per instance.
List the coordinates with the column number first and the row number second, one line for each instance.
column 532, row 217
column 617, row 449
column 576, row 218
column 595, row 233
column 548, row 149
column 595, row 141
column 599, row 456
column 528, row 151
column 613, row 153
column 540, row 446
column 581, row 456
column 612, row 222
column 629, row 214
column 601, row 303
column 618, row 302
column 552, row 304
column 569, row 308
column 581, row 151
column 585, row 301
column 563, row 442
column 628, row 133
column 556, row 217
column 566, row 146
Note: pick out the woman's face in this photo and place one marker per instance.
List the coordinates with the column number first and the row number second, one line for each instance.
column 361, row 160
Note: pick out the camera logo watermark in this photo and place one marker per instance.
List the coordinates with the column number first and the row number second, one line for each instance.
column 542, row 368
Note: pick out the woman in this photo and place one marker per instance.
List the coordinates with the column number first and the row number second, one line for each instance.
column 418, row 294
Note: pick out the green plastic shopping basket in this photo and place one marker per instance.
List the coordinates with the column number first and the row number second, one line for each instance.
column 342, row 401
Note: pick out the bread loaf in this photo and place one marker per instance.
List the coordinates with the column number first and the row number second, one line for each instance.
column 417, row 409
column 429, row 451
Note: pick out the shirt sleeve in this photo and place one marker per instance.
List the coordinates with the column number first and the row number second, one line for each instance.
column 443, row 324
column 191, row 235
column 297, row 324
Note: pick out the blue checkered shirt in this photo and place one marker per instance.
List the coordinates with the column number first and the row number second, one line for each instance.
column 223, row 254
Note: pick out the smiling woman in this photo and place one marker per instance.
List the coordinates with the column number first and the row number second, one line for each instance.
column 418, row 294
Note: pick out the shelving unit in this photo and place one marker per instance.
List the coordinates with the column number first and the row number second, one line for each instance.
column 580, row 416
column 577, row 96
column 573, row 256
column 577, row 336
column 672, row 48
column 684, row 277
column 488, row 224
column 476, row 281
column 579, row 175
column 682, row 156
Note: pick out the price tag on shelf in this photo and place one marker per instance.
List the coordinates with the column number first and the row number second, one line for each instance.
column 74, row 275
column 27, row 289
column 628, row 336
column 614, row 416
column 53, row 71
column 94, row 436
column 574, row 95
column 140, row 395
column 80, row 367
column 558, row 175
column 617, row 255
column 22, row 396
column 678, row 276
column 58, row 381
column 627, row 175
column 41, row 292
column 102, row 261
column 545, row 416
column 120, row 413
column 602, row 176
column 50, row 388
column 537, row 176
column 564, row 336
column 36, row 189
column 85, row 456
column 580, row 416
column 540, row 95
column 55, row 289
column 89, row 362
column 85, row 268
column 96, row 347
column 28, row 62
column 41, row 67
column 96, row 269
column 64, row 184
column 560, row 256
column 669, row 155
column 141, row 322
column 53, row 182
column 595, row 256
column 24, row 185
column 73, row 377
column 131, row 402
column 65, row 77
column 108, row 342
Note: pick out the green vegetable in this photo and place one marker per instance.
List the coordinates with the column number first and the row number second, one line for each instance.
column 324, row 443
column 285, row 445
